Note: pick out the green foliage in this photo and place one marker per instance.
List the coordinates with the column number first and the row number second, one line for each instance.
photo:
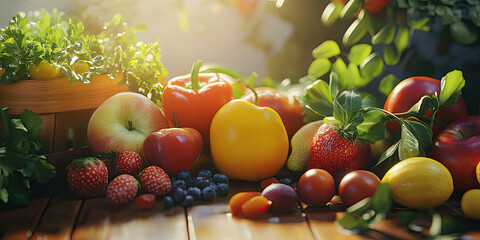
column 19, row 159
column 30, row 39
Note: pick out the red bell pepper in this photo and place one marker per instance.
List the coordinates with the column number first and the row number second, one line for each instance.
column 192, row 100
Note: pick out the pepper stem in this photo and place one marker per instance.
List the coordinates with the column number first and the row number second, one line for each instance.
column 194, row 74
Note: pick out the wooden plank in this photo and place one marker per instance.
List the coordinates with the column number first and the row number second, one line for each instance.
column 20, row 223
column 215, row 221
column 59, row 219
column 101, row 220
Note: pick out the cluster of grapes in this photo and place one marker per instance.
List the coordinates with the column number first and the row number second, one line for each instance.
column 186, row 189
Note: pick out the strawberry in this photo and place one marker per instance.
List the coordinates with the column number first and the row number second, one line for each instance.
column 129, row 162
column 155, row 180
column 109, row 159
column 87, row 177
column 145, row 201
column 332, row 152
column 122, row 189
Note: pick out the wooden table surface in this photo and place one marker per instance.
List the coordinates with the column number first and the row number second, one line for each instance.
column 64, row 216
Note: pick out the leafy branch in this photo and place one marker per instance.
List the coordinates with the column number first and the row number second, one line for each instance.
column 19, row 161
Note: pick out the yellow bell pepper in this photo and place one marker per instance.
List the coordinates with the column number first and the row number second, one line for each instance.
column 248, row 142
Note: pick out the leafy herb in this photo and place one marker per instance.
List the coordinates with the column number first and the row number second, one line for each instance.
column 30, row 39
column 18, row 157
column 441, row 227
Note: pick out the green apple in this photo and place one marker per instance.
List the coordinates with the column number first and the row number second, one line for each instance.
column 123, row 122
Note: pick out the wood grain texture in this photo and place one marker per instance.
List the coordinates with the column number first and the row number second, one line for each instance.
column 101, row 220
column 21, row 223
column 59, row 219
column 58, row 95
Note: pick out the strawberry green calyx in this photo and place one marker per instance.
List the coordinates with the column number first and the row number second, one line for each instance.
column 83, row 162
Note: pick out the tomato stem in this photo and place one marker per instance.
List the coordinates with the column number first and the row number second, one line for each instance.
column 194, row 74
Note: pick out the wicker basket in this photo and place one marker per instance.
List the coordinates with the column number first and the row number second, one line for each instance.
column 65, row 109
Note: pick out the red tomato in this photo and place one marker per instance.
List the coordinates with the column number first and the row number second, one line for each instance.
column 373, row 6
column 286, row 105
column 357, row 185
column 316, row 187
column 409, row 91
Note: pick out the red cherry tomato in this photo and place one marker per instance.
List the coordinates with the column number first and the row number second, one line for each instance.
column 286, row 105
column 357, row 185
column 373, row 6
column 316, row 187
column 409, row 91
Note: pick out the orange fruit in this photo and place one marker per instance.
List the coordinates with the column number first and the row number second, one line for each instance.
column 419, row 183
column 239, row 199
column 256, row 206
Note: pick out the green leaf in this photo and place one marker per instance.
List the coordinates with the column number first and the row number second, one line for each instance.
column 354, row 33
column 408, row 218
column 409, row 145
column 31, row 121
column 372, row 128
column 319, row 67
column 331, row 13
column 451, row 88
column 358, row 53
column 346, row 106
column 387, row 84
column 372, row 66
column 351, row 8
column 391, row 55
column 353, row 75
column 389, row 153
column 317, row 97
column 385, row 35
column 4, row 195
column 420, row 131
column 327, row 49
column 382, row 199
column 340, row 68
column 474, row 14
column 350, row 221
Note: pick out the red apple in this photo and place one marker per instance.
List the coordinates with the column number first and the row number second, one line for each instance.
column 458, row 148
column 173, row 149
column 123, row 122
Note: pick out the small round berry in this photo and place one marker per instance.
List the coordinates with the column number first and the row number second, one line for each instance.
column 202, row 182
column 178, row 195
column 286, row 181
column 205, row 173
column 179, row 184
column 223, row 189
column 220, row 178
column 195, row 192
column 145, row 201
column 209, row 193
column 167, row 202
column 183, row 175
column 188, row 201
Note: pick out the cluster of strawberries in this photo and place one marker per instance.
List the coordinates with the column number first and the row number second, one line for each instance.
column 121, row 177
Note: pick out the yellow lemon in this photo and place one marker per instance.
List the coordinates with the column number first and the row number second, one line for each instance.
column 470, row 206
column 419, row 183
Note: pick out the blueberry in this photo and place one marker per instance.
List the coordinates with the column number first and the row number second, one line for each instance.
column 214, row 186
column 183, row 175
column 222, row 189
column 286, row 181
column 209, row 193
column 179, row 184
column 195, row 192
column 201, row 182
column 205, row 173
column 220, row 178
column 188, row 201
column 191, row 182
column 178, row 195
column 167, row 202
